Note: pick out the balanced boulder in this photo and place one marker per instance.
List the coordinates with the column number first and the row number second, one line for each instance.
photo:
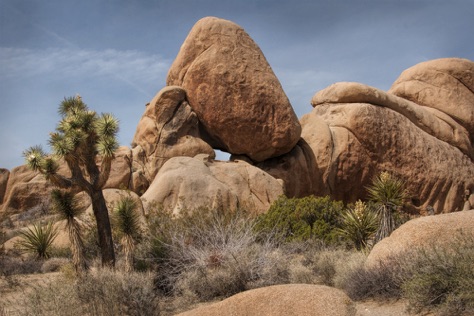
column 234, row 92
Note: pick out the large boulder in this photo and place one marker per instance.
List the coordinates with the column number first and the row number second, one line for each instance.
column 356, row 132
column 282, row 300
column 168, row 128
column 234, row 92
column 190, row 183
column 423, row 232
column 444, row 84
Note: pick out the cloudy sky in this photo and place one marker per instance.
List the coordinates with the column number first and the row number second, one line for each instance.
column 116, row 53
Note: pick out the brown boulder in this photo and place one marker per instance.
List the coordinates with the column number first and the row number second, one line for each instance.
column 423, row 232
column 352, row 142
column 444, row 84
column 234, row 91
column 190, row 183
column 168, row 128
column 284, row 300
column 4, row 175
column 120, row 171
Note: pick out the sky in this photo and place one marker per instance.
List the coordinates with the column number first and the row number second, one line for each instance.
column 116, row 53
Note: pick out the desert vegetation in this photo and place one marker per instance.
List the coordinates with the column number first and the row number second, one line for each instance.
column 168, row 264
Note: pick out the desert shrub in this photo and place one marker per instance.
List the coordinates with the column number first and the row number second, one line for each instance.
column 13, row 265
column 443, row 278
column 53, row 264
column 217, row 254
column 101, row 292
column 437, row 278
column 293, row 219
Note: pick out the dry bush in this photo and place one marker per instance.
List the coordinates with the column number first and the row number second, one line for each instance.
column 53, row 264
column 214, row 254
column 16, row 265
column 437, row 278
column 101, row 292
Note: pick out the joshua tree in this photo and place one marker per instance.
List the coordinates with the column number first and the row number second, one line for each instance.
column 81, row 138
column 388, row 193
column 128, row 224
column 65, row 204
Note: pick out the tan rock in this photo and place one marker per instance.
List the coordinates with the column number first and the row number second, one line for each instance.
column 297, row 169
column 4, row 175
column 284, row 300
column 190, row 183
column 423, row 232
column 168, row 128
column 120, row 171
column 357, row 131
column 234, row 91
column 432, row 121
column 112, row 197
column 444, row 84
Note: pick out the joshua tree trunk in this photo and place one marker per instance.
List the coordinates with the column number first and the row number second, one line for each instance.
column 103, row 228
column 387, row 224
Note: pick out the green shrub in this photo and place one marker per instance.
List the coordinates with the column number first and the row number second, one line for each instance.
column 293, row 219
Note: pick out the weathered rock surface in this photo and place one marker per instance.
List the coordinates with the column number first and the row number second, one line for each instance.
column 120, row 171
column 423, row 232
column 168, row 128
column 357, row 131
column 4, row 175
column 234, row 91
column 445, row 84
column 284, row 300
column 190, row 183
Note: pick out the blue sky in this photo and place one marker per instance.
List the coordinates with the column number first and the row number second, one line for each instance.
column 116, row 53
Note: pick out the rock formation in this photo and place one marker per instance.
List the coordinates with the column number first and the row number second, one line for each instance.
column 222, row 94
column 168, row 128
column 234, row 91
column 190, row 183
column 358, row 131
column 289, row 299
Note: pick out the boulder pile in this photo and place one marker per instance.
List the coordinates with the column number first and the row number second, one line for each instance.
column 222, row 94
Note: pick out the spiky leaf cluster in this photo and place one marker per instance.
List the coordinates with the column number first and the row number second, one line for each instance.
column 359, row 224
column 38, row 240
column 126, row 217
column 388, row 190
column 65, row 204
column 80, row 136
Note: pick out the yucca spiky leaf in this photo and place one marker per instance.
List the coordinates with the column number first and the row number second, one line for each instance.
column 107, row 146
column 34, row 157
column 127, row 218
column 49, row 166
column 107, row 125
column 61, row 145
column 387, row 189
column 38, row 240
column 65, row 204
column 71, row 106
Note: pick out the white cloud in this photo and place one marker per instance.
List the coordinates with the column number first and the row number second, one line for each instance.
column 131, row 66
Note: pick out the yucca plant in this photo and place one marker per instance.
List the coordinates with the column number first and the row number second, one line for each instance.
column 388, row 193
column 65, row 204
column 128, row 224
column 82, row 138
column 38, row 240
column 359, row 225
